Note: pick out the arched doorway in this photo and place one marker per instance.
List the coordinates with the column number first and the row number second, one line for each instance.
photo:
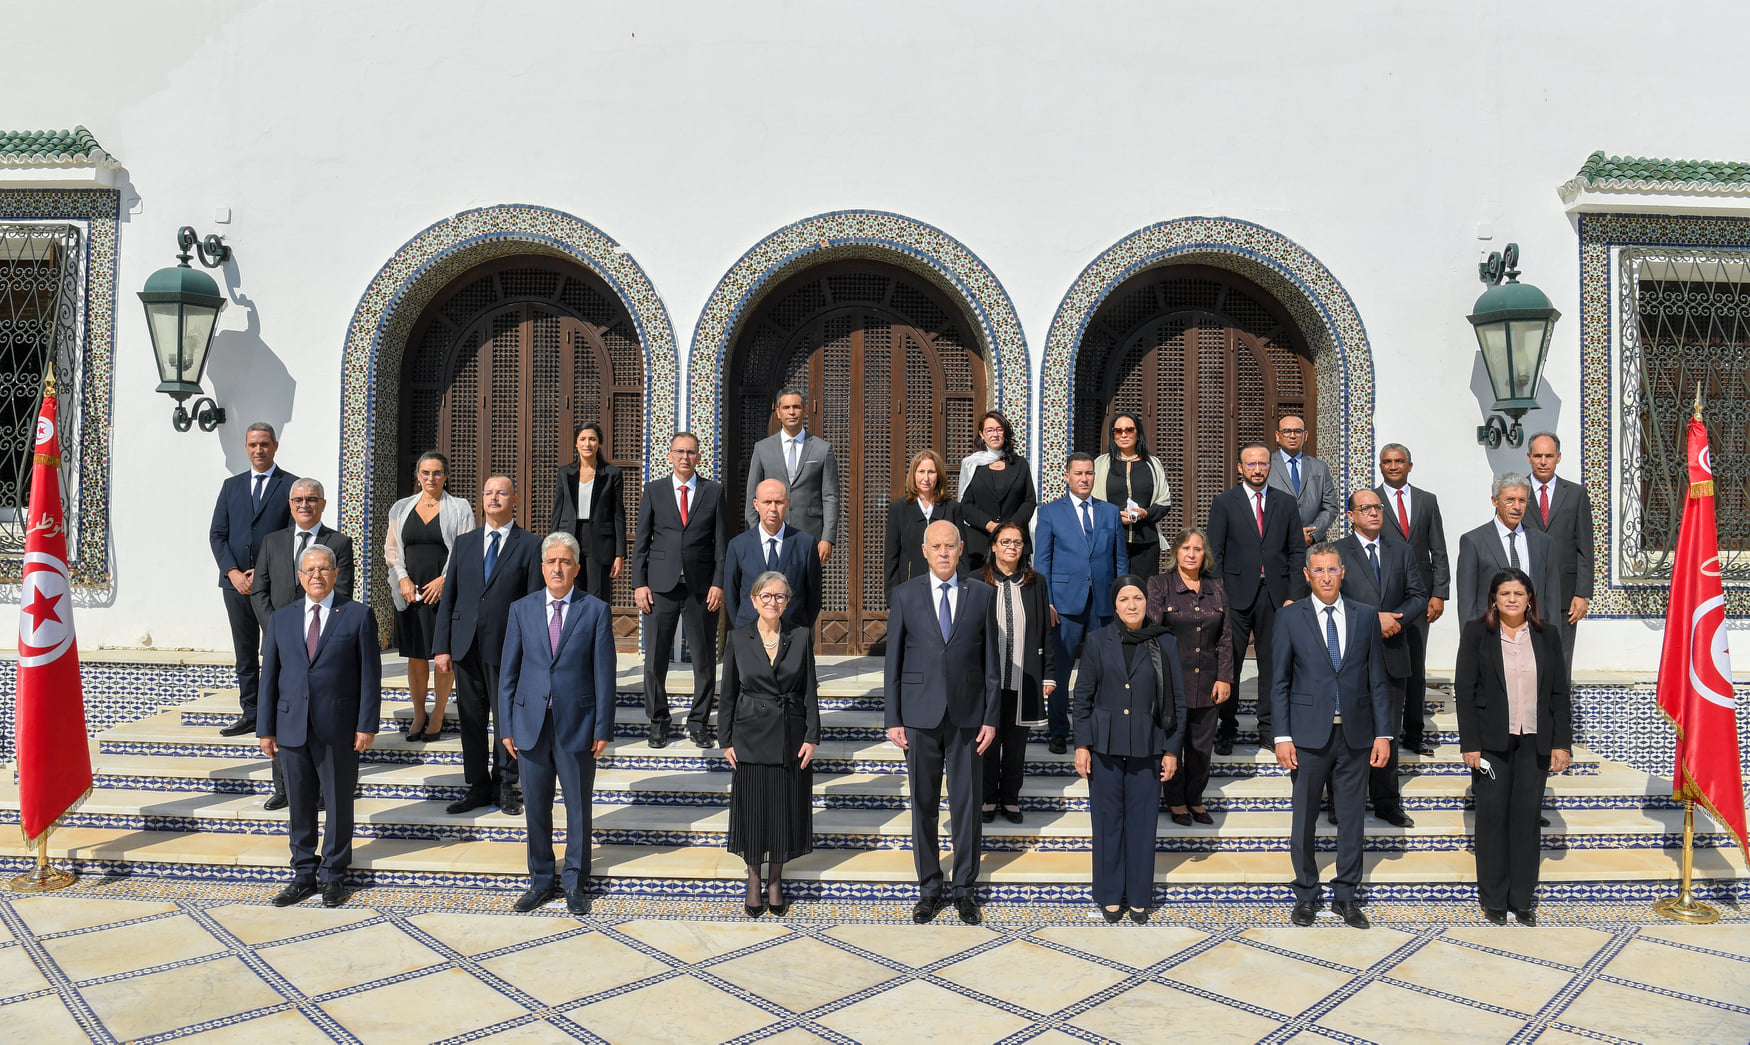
column 503, row 365
column 1208, row 359
column 891, row 367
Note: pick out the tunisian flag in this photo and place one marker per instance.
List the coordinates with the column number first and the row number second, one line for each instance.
column 54, row 757
column 1695, row 674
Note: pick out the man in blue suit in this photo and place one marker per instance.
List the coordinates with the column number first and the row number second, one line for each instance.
column 943, row 694
column 321, row 690
column 772, row 545
column 1331, row 706
column 491, row 567
column 251, row 505
column 556, row 703
column 1078, row 548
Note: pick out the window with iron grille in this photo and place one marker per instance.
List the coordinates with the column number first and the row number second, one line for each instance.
column 39, row 300
column 1685, row 325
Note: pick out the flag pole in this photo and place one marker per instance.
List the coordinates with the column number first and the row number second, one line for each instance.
column 1684, row 907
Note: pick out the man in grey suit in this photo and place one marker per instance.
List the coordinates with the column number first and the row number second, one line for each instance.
column 1305, row 478
column 1563, row 510
column 1506, row 541
column 1412, row 515
column 805, row 465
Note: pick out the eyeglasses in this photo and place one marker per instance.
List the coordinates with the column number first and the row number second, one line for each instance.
column 1011, row 543
column 684, row 453
column 772, row 596
column 1364, row 508
column 1325, row 571
column 317, row 571
column 1127, row 430
column 1292, row 431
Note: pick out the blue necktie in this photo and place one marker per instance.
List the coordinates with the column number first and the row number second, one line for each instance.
column 1087, row 520
column 1294, row 474
column 772, row 554
column 947, row 620
column 1373, row 557
column 260, row 488
column 492, row 555
column 1331, row 638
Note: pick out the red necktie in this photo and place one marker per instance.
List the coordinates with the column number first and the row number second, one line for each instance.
column 1260, row 515
column 1403, row 516
column 1543, row 502
column 683, row 506
column 315, row 631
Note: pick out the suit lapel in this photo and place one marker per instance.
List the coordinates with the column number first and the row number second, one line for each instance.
column 327, row 627
column 1354, row 625
column 573, row 610
column 510, row 541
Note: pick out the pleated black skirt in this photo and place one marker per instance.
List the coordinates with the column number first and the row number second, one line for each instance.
column 771, row 813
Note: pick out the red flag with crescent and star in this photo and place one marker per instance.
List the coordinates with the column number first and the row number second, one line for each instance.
column 1695, row 671
column 54, row 756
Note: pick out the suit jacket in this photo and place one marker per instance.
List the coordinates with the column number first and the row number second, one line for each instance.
column 1480, row 557
column 331, row 696
column 1570, row 529
column 770, row 707
column 1038, row 652
column 238, row 529
column 1317, row 501
column 1239, row 552
column 604, row 535
column 814, row 491
column 1480, row 690
column 905, row 538
column 473, row 608
column 1115, row 700
column 1398, row 589
column 1078, row 571
column 929, row 681
column 1427, row 537
column 666, row 554
column 579, row 679
column 798, row 561
column 276, row 573
column 1306, row 693
column 981, row 505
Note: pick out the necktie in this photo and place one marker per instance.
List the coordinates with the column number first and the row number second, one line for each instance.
column 794, row 451
column 555, row 624
column 260, row 488
column 1403, row 515
column 1087, row 520
column 771, row 553
column 315, row 631
column 491, row 554
column 303, row 545
column 1260, row 513
column 1331, row 642
column 1294, row 474
column 683, row 506
column 1543, row 502
column 947, row 620
column 1512, row 549
column 1373, row 557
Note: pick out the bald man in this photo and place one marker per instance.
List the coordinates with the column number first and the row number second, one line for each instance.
column 773, row 544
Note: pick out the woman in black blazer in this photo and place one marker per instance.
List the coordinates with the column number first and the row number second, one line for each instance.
column 926, row 501
column 1028, row 671
column 1129, row 712
column 995, row 485
column 600, row 528
column 1515, row 727
column 769, row 726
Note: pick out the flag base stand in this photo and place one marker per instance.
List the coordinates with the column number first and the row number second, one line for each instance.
column 1684, row 907
column 46, row 878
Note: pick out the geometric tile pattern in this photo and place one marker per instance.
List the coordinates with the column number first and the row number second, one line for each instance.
column 1624, row 724
column 115, row 961
column 116, row 693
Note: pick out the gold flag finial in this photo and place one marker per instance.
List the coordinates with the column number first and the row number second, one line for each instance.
column 1698, row 400
column 49, row 381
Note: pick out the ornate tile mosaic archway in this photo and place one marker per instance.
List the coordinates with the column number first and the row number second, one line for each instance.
column 875, row 235
column 1318, row 304
column 376, row 339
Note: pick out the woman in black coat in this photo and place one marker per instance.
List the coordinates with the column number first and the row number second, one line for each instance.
column 995, row 486
column 1129, row 713
column 769, row 726
column 926, row 501
column 600, row 525
column 1028, row 667
column 1515, row 727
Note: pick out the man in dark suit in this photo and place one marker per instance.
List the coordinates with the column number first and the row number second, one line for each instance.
column 677, row 572
column 1505, row 540
column 1332, row 706
column 1256, row 544
column 1380, row 572
column 321, row 693
column 1305, row 478
column 772, row 545
column 1078, row 550
column 805, row 465
column 251, row 505
column 1412, row 515
column 1563, row 510
column 276, row 583
column 491, row 567
column 943, row 698
column 556, row 702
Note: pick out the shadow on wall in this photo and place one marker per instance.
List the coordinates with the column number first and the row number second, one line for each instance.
column 1545, row 418
column 248, row 380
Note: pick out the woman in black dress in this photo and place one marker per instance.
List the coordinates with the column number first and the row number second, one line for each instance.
column 1028, row 669
column 1134, row 480
column 926, row 500
column 589, row 504
column 769, row 726
column 422, row 529
column 1190, row 603
column 995, row 486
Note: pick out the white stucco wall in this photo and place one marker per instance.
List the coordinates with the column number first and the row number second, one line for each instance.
column 1380, row 137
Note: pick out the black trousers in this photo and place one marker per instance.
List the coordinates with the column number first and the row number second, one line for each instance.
column 314, row 769
column 1509, row 839
column 929, row 754
column 1416, row 686
column 669, row 609
column 1346, row 769
column 1252, row 625
column 246, row 636
column 574, row 772
column 1382, row 781
column 1124, row 803
column 1005, row 761
column 593, row 577
column 486, row 765
column 1186, row 787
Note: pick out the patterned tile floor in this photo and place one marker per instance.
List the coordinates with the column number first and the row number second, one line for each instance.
column 153, row 960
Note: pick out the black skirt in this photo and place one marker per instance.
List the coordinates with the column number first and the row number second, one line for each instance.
column 771, row 813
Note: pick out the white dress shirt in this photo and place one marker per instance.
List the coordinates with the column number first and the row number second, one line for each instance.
column 1075, row 504
column 953, row 584
column 767, row 539
column 503, row 536
column 692, row 488
column 1518, row 541
column 564, row 604
column 1391, row 502
column 798, row 441
column 327, row 607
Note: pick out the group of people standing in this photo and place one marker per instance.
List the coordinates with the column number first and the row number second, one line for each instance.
column 994, row 601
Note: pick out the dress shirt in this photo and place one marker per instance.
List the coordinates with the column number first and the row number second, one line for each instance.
column 584, row 488
column 766, row 539
column 327, row 605
column 1377, row 546
column 1502, row 531
column 1519, row 664
column 564, row 602
column 299, row 545
column 1391, row 502
column 799, row 441
column 1075, row 504
column 692, row 486
column 953, row 583
column 927, row 507
column 503, row 536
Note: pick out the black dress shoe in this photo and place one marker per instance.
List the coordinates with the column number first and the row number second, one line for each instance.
column 296, row 892
column 1331, row 818
column 1423, row 747
column 1202, row 816
column 238, row 728
column 1543, row 821
column 1497, row 916
column 1057, row 745
column 1527, row 918
column 1224, row 744
column 1182, row 819
column 277, row 800
column 1351, row 913
column 698, row 738
column 925, row 909
column 967, row 908
column 334, row 893
column 510, row 805
column 1305, row 912
column 989, row 816
column 469, row 802
column 1112, row 916
column 1394, row 817
column 1013, row 816
column 1139, row 916
column 535, row 897
column 577, row 901
column 658, row 734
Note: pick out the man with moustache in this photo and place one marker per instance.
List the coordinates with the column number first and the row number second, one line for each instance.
column 1504, row 541
column 1563, row 510
column 1305, row 478
column 1412, row 515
